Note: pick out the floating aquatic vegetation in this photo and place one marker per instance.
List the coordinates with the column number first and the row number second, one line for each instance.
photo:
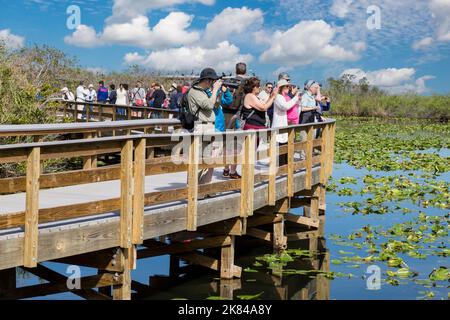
column 250, row 297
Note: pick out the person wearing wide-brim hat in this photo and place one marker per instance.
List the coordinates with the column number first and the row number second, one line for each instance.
column 202, row 98
column 67, row 95
column 282, row 105
column 200, row 103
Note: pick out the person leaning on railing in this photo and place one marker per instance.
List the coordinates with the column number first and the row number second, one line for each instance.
column 202, row 104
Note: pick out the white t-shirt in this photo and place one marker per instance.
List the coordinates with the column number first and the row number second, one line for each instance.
column 81, row 94
column 122, row 97
column 91, row 95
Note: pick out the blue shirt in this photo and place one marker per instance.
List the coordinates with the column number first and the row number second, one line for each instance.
column 102, row 94
column 226, row 100
column 308, row 100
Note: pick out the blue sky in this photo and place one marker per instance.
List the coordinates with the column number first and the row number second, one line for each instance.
column 310, row 39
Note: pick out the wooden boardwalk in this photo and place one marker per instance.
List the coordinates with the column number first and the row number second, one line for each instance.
column 108, row 217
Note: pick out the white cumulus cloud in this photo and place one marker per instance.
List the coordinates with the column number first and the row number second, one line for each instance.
column 392, row 80
column 233, row 21
column 305, row 43
column 125, row 10
column 11, row 41
column 441, row 13
column 84, row 37
column 170, row 31
column 223, row 57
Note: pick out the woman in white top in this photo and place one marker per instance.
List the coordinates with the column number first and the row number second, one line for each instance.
column 281, row 107
column 122, row 99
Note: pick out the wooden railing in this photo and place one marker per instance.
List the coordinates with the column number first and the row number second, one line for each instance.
column 135, row 166
column 81, row 111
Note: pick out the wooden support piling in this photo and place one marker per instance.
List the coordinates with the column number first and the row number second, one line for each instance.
column 227, row 267
column 123, row 290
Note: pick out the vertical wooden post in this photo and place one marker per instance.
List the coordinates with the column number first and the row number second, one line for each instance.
column 324, row 155
column 314, row 208
column 75, row 113
column 194, row 156
column 40, row 139
column 89, row 162
column 32, row 208
column 251, row 177
column 100, row 113
column 273, row 168
column 309, row 157
column 129, row 113
column 88, row 113
column 244, row 180
column 290, row 176
column 279, row 239
column 323, row 283
column 126, row 193
column 227, row 260
column 139, row 192
column 248, row 177
column 123, row 291
column 331, row 150
column 150, row 153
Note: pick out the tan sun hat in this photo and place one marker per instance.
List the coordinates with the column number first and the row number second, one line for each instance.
column 283, row 82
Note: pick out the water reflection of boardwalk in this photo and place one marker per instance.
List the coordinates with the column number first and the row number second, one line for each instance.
column 108, row 217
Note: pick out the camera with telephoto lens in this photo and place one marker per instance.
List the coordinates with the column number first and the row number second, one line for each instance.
column 231, row 82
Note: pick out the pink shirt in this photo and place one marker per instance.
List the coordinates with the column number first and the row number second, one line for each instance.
column 292, row 113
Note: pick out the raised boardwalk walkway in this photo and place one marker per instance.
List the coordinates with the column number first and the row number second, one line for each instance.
column 108, row 217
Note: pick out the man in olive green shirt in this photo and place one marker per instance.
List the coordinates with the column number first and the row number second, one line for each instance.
column 199, row 101
column 202, row 105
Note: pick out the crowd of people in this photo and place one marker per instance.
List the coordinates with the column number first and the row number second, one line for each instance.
column 155, row 96
column 275, row 105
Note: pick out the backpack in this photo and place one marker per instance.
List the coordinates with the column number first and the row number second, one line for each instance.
column 238, row 97
column 186, row 117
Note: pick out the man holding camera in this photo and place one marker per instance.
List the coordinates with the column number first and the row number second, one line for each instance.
column 202, row 100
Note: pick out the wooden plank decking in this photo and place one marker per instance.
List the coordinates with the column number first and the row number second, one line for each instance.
column 73, row 214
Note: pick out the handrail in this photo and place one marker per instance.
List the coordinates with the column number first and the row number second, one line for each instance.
column 40, row 129
column 125, row 125
column 135, row 166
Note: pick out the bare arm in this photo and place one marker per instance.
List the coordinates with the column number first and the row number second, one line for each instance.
column 255, row 103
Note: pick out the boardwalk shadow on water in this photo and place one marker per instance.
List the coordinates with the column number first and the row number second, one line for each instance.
column 299, row 278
